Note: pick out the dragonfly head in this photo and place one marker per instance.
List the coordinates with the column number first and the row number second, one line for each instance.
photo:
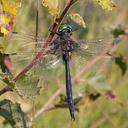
column 65, row 29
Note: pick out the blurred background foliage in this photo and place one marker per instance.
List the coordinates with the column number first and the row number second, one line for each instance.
column 110, row 109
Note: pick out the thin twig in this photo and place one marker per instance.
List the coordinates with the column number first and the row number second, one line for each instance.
column 103, row 119
column 106, row 116
column 58, row 83
column 49, row 102
column 98, row 123
column 4, row 90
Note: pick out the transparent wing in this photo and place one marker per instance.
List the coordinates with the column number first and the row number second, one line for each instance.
column 88, row 49
column 25, row 37
column 85, row 51
column 47, row 63
column 28, row 50
column 25, row 43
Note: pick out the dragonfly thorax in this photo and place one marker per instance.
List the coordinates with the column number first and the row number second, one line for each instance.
column 67, row 46
column 63, row 44
column 66, row 43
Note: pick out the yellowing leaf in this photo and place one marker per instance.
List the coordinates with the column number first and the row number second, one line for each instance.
column 106, row 4
column 53, row 7
column 4, row 30
column 76, row 18
column 7, row 14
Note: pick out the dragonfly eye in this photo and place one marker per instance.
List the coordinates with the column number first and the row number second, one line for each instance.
column 64, row 27
column 68, row 30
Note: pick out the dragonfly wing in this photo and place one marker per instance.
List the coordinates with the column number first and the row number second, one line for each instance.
column 48, row 63
column 88, row 49
column 20, row 60
column 85, row 51
column 26, row 37
column 27, row 51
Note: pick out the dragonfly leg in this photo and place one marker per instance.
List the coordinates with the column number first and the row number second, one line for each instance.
column 50, row 30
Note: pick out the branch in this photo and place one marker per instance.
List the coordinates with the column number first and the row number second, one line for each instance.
column 106, row 115
column 49, row 102
column 4, row 90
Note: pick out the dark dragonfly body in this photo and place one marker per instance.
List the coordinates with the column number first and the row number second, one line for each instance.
column 69, row 85
column 64, row 44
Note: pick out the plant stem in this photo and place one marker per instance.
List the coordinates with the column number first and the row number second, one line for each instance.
column 4, row 90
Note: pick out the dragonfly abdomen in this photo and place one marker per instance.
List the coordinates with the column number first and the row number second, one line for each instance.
column 69, row 86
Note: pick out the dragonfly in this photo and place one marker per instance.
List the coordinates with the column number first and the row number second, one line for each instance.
column 64, row 48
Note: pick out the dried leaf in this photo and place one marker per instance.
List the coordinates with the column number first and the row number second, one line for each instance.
column 106, row 4
column 53, row 7
column 76, row 20
column 8, row 9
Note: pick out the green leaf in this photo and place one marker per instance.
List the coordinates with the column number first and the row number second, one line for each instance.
column 76, row 21
column 6, row 79
column 119, row 30
column 27, row 86
column 13, row 114
column 2, row 65
column 121, row 63
column 53, row 7
column 63, row 103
